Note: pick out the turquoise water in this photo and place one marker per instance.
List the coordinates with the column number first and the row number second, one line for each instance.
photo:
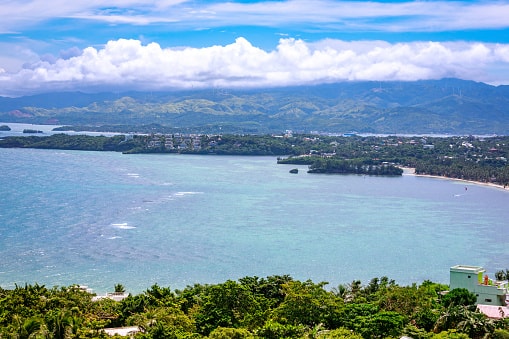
column 98, row 218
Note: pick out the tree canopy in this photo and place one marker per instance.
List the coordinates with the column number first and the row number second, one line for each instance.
column 252, row 307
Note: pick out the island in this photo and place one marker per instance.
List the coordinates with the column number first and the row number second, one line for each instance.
column 333, row 165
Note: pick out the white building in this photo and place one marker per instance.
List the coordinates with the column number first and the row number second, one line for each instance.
column 474, row 279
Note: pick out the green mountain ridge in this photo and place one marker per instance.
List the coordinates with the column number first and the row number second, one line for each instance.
column 447, row 106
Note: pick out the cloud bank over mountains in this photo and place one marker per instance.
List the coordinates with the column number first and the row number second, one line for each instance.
column 172, row 44
column 130, row 65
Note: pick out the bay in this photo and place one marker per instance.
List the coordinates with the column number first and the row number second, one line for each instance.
column 100, row 218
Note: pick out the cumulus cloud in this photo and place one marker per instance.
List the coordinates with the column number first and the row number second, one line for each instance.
column 128, row 64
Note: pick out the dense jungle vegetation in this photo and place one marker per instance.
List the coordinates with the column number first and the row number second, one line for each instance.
column 252, row 307
column 482, row 159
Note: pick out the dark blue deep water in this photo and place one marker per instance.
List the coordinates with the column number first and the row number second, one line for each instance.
column 98, row 218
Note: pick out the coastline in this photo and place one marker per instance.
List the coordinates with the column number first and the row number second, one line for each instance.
column 411, row 171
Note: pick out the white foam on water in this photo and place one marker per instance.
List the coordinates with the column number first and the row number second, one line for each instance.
column 123, row 226
column 181, row 194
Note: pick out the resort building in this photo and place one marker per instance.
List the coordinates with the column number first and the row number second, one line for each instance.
column 474, row 279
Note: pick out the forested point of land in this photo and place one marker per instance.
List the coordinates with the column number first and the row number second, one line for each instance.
column 481, row 159
column 272, row 307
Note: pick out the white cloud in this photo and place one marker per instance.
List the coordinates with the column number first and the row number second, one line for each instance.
column 128, row 64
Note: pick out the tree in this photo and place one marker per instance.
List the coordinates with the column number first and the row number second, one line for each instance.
column 230, row 333
column 308, row 304
column 459, row 297
column 27, row 327
column 340, row 333
column 270, row 288
column 60, row 323
column 159, row 296
column 226, row 305
column 450, row 334
column 119, row 288
column 380, row 325
column 500, row 334
column 500, row 275
column 476, row 325
column 275, row 330
column 426, row 318
column 462, row 319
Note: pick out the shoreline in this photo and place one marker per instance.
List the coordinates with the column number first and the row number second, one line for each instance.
column 411, row 171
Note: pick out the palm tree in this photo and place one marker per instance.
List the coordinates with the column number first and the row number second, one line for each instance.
column 25, row 329
column 61, row 323
column 476, row 325
column 119, row 288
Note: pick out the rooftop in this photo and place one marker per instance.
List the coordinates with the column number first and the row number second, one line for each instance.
column 494, row 312
column 466, row 268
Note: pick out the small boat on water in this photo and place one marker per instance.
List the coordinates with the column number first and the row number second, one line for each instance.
column 294, row 171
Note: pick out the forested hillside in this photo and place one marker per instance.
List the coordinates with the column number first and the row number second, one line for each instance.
column 434, row 106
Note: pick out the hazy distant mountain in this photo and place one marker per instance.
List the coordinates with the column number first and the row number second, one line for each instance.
column 438, row 106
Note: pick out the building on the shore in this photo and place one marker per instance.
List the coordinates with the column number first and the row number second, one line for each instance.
column 474, row 279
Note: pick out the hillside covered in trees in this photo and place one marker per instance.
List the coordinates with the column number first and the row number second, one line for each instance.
column 447, row 106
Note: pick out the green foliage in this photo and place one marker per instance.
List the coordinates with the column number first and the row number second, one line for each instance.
column 272, row 307
column 426, row 318
column 450, row 334
column 26, row 328
column 459, row 297
column 340, row 333
column 229, row 304
column 230, row 333
column 275, row 330
column 381, row 325
column 500, row 334
column 308, row 304
column 358, row 166
column 119, row 288
column 270, row 288
column 414, row 332
column 502, row 274
column 448, row 106
column 160, row 296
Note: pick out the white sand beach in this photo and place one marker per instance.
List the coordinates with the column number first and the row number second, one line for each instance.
column 411, row 171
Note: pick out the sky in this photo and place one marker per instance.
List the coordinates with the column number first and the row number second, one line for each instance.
column 152, row 45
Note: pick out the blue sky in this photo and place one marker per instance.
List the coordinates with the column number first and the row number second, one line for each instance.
column 167, row 44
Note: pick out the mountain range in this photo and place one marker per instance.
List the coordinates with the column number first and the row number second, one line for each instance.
column 447, row 106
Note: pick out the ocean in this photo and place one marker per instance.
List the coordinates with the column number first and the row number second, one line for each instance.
column 102, row 218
